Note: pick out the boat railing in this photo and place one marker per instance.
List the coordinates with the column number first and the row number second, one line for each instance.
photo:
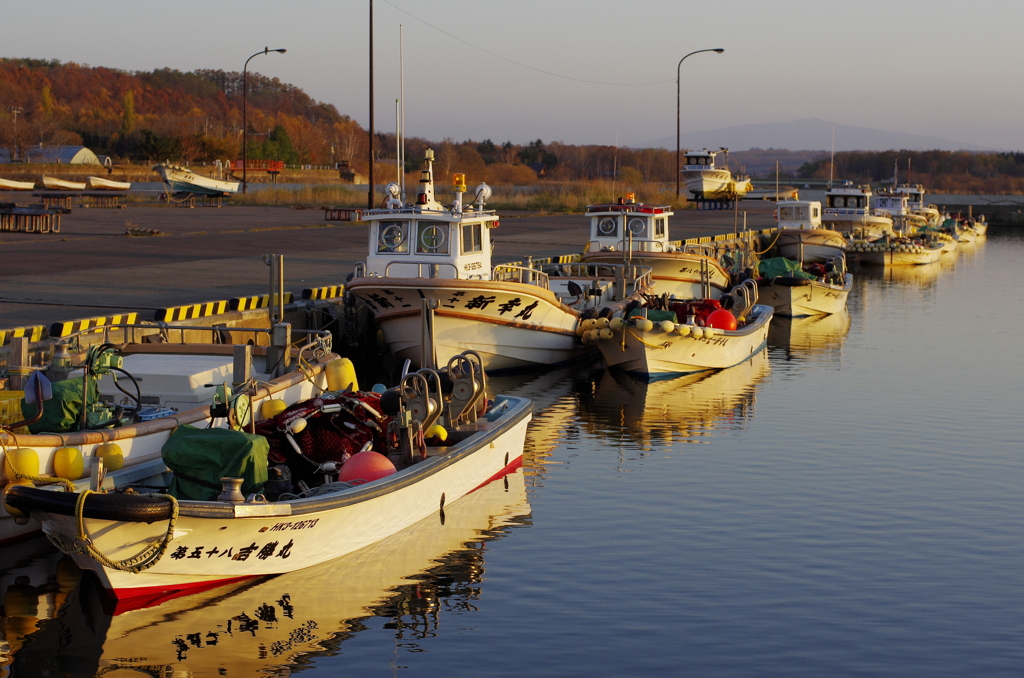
column 706, row 250
column 520, row 274
column 632, row 246
column 141, row 333
column 424, row 269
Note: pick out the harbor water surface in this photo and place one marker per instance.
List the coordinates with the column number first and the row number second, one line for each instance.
column 848, row 502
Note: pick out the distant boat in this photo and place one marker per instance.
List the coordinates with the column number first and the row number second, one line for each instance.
column 107, row 184
column 9, row 185
column 61, row 185
column 182, row 180
column 707, row 181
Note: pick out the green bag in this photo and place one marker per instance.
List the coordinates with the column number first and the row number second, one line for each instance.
column 780, row 267
column 61, row 413
column 200, row 457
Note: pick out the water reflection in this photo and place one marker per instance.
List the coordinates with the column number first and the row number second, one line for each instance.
column 802, row 338
column 270, row 625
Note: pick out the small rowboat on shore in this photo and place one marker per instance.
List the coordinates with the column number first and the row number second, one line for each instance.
column 99, row 183
column 62, row 185
column 11, row 185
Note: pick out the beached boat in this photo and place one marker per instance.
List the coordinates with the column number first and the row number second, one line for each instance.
column 667, row 339
column 628, row 232
column 898, row 252
column 158, row 387
column 801, row 236
column 848, row 210
column 430, row 285
column 351, row 468
column 707, row 181
column 99, row 183
column 55, row 184
column 183, row 180
column 11, row 185
column 802, row 290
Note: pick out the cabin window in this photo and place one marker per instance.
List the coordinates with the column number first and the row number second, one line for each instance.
column 857, row 202
column 786, row 214
column 394, row 237
column 432, row 238
column 801, row 213
column 472, row 240
column 660, row 227
column 638, row 227
column 608, row 227
column 814, row 213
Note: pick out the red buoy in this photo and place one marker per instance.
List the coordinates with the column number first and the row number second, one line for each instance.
column 721, row 320
column 368, row 466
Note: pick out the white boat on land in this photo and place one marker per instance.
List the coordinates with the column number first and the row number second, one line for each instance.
column 11, row 185
column 811, row 289
column 898, row 252
column 55, row 184
column 707, row 181
column 430, row 285
column 195, row 543
column 684, row 337
column 848, row 210
column 183, row 180
column 801, row 236
column 627, row 232
column 158, row 387
column 99, row 183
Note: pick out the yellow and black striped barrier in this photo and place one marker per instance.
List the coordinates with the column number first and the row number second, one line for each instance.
column 69, row 327
column 257, row 301
column 32, row 333
column 328, row 292
column 191, row 311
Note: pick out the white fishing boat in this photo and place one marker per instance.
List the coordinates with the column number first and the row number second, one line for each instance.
column 898, row 252
column 430, row 285
column 99, row 183
column 139, row 393
column 848, row 210
column 917, row 205
column 897, row 206
column 707, row 181
column 365, row 465
column 55, row 184
column 183, row 180
column 797, row 290
column 684, row 337
column 628, row 232
column 801, row 236
column 11, row 185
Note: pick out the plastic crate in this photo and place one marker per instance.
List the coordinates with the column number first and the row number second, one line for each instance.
column 10, row 409
column 151, row 413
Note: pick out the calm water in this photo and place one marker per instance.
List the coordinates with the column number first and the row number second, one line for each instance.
column 849, row 502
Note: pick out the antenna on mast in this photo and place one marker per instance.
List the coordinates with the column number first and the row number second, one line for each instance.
column 832, row 163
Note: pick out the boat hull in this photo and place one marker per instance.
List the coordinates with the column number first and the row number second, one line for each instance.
column 655, row 354
column 893, row 257
column 181, row 180
column 10, row 185
column 211, row 543
column 99, row 183
column 62, row 185
column 849, row 221
column 714, row 184
column 674, row 273
column 798, row 297
column 809, row 245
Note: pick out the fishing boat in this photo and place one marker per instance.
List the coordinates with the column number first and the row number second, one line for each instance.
column 848, row 210
column 797, row 290
column 916, row 203
column 11, row 185
column 350, row 468
column 430, row 285
column 627, row 232
column 99, row 183
column 183, row 180
column 897, row 206
column 801, row 236
column 901, row 251
column 668, row 338
column 55, row 184
column 707, row 181
column 138, row 393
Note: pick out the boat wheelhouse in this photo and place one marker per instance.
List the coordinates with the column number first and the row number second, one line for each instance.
column 848, row 209
column 707, row 181
column 801, row 235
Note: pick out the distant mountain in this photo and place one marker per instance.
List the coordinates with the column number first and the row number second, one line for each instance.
column 811, row 134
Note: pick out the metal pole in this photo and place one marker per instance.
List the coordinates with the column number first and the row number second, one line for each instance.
column 245, row 125
column 678, row 99
column 369, row 192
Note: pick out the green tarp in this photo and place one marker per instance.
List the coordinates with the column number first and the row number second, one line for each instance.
column 61, row 413
column 781, row 267
column 200, row 457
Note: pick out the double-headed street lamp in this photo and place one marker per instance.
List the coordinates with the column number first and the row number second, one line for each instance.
column 678, row 98
column 245, row 125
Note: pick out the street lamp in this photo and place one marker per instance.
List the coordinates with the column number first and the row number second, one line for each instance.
column 15, row 110
column 678, row 98
column 245, row 127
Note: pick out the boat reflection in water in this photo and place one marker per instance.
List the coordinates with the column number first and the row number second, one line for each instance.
column 270, row 624
column 801, row 335
column 921, row 276
column 684, row 409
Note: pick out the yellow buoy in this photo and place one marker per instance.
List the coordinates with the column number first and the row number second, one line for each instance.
column 697, row 332
column 24, row 482
column 683, row 330
column 644, row 325
column 616, row 324
column 341, row 375
column 605, row 333
column 590, row 324
column 667, row 326
column 69, row 463
column 113, row 457
column 437, row 431
column 602, row 323
column 272, row 407
column 23, row 460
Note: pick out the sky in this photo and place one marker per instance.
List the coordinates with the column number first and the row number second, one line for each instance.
column 582, row 71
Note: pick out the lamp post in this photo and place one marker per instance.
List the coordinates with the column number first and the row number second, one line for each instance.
column 719, row 50
column 15, row 110
column 245, row 125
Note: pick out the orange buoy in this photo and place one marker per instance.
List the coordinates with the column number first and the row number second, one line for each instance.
column 368, row 466
column 722, row 320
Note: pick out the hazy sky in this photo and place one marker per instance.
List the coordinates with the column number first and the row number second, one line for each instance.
column 950, row 70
